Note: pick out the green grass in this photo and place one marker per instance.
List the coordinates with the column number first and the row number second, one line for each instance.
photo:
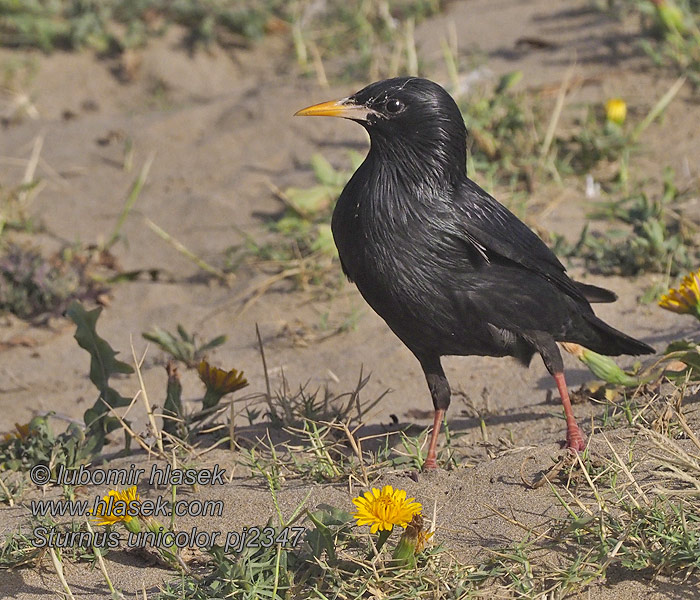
column 113, row 25
column 360, row 39
column 646, row 231
column 669, row 32
column 608, row 519
column 367, row 38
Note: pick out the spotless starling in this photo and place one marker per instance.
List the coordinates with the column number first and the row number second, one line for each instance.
column 449, row 268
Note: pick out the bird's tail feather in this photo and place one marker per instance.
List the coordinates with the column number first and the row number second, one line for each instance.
column 612, row 342
column 593, row 293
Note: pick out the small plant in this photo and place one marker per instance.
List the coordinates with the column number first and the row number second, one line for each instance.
column 600, row 137
column 652, row 234
column 330, row 559
column 103, row 365
column 35, row 443
column 18, row 551
column 670, row 33
column 183, row 346
column 302, row 249
column 680, row 362
column 503, row 142
column 363, row 39
column 111, row 25
column 32, row 285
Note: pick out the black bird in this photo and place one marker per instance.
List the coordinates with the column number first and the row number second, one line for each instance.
column 449, row 268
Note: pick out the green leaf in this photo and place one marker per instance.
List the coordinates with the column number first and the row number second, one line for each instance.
column 679, row 345
column 330, row 522
column 309, row 201
column 324, row 240
column 692, row 359
column 183, row 348
column 321, row 538
column 325, row 172
column 508, row 81
column 213, row 343
column 103, row 364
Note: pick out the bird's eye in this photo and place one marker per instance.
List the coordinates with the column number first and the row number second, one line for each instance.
column 394, row 106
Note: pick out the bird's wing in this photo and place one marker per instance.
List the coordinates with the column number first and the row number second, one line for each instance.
column 509, row 298
column 493, row 230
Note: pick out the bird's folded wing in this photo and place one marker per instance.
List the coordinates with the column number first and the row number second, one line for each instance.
column 495, row 231
column 509, row 298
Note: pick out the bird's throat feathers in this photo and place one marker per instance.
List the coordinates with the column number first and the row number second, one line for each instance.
column 395, row 189
column 415, row 169
column 431, row 159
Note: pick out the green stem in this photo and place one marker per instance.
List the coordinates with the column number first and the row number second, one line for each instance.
column 381, row 540
column 211, row 398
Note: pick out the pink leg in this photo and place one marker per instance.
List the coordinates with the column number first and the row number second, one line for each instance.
column 430, row 461
column 574, row 436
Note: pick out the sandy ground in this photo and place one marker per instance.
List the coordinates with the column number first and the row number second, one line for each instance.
column 221, row 132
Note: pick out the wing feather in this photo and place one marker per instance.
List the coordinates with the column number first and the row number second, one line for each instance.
column 495, row 230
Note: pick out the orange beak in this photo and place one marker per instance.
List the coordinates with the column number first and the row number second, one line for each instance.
column 336, row 108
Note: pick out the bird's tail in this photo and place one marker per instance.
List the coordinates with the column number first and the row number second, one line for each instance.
column 593, row 293
column 610, row 341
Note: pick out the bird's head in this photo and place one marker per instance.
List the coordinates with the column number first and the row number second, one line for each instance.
column 410, row 121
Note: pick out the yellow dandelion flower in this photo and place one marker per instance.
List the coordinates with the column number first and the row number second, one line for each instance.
column 685, row 299
column 219, row 382
column 616, row 110
column 113, row 511
column 382, row 509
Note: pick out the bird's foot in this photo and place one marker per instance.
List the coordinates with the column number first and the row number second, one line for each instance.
column 575, row 440
column 430, row 464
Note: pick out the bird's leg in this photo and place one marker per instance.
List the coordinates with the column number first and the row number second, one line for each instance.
column 431, row 459
column 574, row 436
column 440, row 392
column 551, row 356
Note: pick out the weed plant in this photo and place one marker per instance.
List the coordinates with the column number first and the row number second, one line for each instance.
column 646, row 232
column 670, row 32
column 112, row 25
column 609, row 517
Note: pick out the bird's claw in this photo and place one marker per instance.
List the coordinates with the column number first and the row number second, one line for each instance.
column 430, row 464
column 575, row 440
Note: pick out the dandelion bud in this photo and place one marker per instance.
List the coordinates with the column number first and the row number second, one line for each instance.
column 616, row 111
column 601, row 366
